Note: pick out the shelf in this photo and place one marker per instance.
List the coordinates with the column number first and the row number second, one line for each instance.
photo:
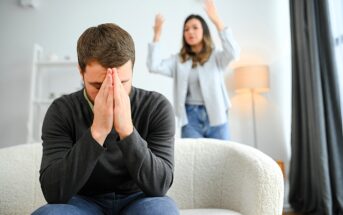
column 43, row 101
column 57, row 63
column 50, row 79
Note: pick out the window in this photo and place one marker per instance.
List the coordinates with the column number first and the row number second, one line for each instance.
column 336, row 18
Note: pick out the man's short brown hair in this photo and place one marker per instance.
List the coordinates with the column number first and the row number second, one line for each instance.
column 108, row 44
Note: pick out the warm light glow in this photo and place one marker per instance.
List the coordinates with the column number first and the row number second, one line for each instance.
column 255, row 78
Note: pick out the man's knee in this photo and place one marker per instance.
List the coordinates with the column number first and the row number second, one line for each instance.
column 152, row 206
column 57, row 209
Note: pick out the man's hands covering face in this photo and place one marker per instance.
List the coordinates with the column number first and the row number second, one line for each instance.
column 111, row 109
column 122, row 121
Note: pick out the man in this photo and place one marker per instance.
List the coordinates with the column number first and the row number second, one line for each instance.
column 109, row 148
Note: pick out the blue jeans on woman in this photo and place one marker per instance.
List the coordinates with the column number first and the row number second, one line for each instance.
column 199, row 126
column 111, row 203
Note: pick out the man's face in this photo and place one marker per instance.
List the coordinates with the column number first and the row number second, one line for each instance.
column 95, row 74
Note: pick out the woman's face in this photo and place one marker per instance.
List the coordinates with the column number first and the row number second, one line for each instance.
column 193, row 32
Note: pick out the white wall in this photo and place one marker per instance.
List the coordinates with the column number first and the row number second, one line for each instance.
column 261, row 28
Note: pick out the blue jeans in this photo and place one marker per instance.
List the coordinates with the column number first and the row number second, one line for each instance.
column 111, row 203
column 199, row 126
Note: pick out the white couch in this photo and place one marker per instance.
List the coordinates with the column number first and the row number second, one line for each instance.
column 211, row 177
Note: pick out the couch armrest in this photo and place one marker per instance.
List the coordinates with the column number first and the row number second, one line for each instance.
column 254, row 179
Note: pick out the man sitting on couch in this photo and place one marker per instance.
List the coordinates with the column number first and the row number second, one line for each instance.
column 108, row 148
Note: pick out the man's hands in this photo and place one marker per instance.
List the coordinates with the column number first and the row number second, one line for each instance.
column 111, row 109
column 122, row 121
column 211, row 11
column 103, row 110
column 159, row 20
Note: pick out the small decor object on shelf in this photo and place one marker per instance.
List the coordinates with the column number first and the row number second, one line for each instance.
column 29, row 3
column 53, row 57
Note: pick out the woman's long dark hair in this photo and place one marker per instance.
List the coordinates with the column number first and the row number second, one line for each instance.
column 186, row 52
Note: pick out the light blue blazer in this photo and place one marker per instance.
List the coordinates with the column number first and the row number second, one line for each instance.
column 210, row 76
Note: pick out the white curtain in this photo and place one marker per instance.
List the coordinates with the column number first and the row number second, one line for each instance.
column 336, row 17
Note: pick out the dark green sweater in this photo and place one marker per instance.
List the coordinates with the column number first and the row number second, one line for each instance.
column 74, row 163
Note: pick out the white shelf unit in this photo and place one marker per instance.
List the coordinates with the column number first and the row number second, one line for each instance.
column 49, row 80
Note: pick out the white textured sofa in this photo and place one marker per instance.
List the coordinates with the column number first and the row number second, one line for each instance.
column 211, row 177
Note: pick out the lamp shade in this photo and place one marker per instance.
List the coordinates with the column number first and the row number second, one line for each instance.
column 254, row 78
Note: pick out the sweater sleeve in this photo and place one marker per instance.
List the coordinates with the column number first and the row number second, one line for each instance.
column 66, row 164
column 231, row 49
column 150, row 162
column 157, row 65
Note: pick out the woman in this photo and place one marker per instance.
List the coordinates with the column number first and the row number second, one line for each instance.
column 200, row 96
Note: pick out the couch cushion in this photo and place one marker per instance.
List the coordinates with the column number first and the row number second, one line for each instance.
column 20, row 191
column 209, row 211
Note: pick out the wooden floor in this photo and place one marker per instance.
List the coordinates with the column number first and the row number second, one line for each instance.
column 291, row 213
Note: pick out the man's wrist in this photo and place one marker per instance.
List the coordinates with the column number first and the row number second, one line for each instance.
column 98, row 136
column 126, row 133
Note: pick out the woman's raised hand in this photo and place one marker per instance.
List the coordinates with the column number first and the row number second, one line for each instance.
column 212, row 13
column 159, row 20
